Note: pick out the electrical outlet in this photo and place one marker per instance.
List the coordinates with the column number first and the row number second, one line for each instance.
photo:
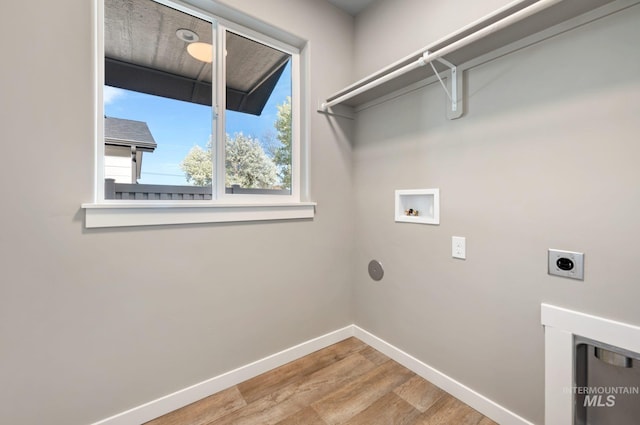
column 566, row 264
column 458, row 247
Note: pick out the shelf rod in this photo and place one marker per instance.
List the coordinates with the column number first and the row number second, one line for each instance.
column 334, row 114
column 496, row 26
column 400, row 71
column 428, row 57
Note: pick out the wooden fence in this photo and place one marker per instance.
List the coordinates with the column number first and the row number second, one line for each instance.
column 157, row 192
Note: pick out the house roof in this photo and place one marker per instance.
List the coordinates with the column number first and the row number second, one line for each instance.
column 121, row 132
column 144, row 54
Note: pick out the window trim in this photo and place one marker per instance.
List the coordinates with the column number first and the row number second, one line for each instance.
column 223, row 207
column 295, row 117
column 122, row 215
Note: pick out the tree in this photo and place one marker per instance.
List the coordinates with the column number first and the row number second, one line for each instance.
column 198, row 165
column 282, row 155
column 246, row 163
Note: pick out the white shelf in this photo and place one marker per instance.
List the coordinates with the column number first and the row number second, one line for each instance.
column 425, row 201
column 515, row 26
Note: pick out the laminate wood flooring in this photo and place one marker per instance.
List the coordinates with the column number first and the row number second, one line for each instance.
column 348, row 383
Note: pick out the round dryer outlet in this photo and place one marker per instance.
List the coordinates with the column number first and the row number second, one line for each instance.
column 375, row 270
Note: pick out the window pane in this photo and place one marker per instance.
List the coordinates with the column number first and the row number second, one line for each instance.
column 157, row 102
column 258, row 118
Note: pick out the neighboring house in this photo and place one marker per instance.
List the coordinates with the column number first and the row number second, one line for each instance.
column 125, row 141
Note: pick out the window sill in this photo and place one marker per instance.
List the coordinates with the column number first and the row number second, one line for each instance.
column 154, row 214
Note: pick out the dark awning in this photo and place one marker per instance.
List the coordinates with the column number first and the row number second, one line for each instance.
column 143, row 53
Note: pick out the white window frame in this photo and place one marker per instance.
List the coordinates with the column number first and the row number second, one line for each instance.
column 223, row 207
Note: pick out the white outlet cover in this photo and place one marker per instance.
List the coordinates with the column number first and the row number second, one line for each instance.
column 577, row 261
column 458, row 247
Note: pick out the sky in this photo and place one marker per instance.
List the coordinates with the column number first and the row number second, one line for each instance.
column 178, row 126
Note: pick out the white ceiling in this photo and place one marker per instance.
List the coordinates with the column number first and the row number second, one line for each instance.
column 352, row 6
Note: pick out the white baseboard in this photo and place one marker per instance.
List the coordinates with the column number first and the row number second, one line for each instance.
column 153, row 409
column 181, row 398
column 460, row 391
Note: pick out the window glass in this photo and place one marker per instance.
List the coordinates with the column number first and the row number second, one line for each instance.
column 157, row 102
column 258, row 117
column 162, row 140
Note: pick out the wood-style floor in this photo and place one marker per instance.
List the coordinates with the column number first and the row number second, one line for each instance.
column 347, row 383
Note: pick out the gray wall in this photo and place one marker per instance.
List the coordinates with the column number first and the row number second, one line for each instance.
column 94, row 322
column 545, row 157
column 88, row 329
column 389, row 30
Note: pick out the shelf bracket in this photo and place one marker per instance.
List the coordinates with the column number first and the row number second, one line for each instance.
column 454, row 91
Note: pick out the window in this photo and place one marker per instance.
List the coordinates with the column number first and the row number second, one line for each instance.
column 258, row 116
column 162, row 138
